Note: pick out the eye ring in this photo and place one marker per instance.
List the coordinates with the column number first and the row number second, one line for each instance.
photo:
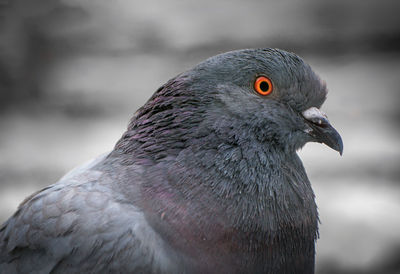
column 263, row 85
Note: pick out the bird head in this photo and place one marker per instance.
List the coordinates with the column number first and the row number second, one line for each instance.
column 268, row 96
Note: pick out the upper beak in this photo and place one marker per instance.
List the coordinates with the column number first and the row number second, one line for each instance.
column 321, row 130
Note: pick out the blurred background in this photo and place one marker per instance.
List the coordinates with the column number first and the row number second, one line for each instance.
column 73, row 72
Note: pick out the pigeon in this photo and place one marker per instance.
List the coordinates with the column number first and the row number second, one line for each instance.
column 206, row 179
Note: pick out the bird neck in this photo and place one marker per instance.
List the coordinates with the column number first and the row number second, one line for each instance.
column 220, row 196
column 250, row 186
column 244, row 198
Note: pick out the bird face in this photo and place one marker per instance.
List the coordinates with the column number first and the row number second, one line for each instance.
column 267, row 94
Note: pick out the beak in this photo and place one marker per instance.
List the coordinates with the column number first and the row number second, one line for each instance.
column 321, row 130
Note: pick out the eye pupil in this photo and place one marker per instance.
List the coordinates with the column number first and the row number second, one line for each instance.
column 264, row 86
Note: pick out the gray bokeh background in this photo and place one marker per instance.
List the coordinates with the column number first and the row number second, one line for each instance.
column 73, row 72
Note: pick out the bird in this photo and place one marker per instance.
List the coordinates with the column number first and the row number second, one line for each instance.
column 206, row 179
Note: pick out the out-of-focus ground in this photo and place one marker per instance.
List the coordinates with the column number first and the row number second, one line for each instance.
column 72, row 73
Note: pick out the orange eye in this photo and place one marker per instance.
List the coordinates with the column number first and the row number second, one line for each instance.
column 263, row 85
